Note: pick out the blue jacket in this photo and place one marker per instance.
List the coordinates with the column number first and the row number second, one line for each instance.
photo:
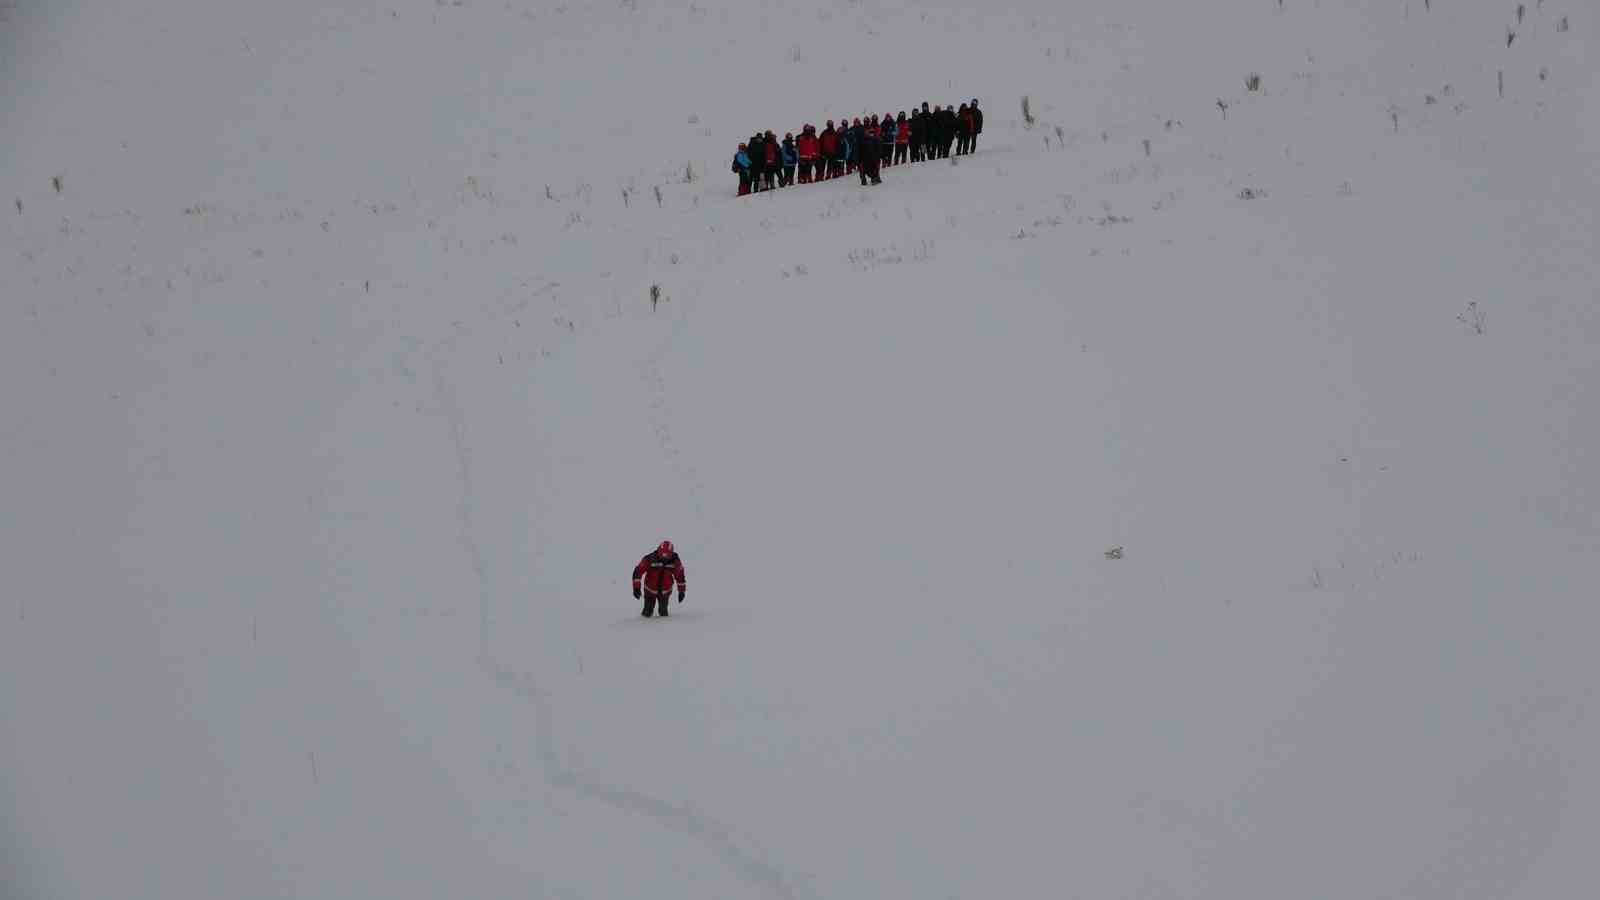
column 791, row 156
column 742, row 160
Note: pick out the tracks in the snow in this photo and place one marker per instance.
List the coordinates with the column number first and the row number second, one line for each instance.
column 723, row 841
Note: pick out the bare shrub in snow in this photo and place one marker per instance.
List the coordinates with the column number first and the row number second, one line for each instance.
column 1251, row 193
column 56, row 181
column 1252, row 82
column 658, row 196
column 688, row 173
column 1562, row 25
column 1114, row 553
column 655, row 296
column 1223, row 105
column 1027, row 112
column 1472, row 317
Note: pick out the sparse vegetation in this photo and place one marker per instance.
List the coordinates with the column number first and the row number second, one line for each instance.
column 1252, row 82
column 1027, row 112
column 1473, row 318
column 655, row 296
column 56, row 181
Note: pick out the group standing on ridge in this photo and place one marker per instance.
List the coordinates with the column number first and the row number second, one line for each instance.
column 860, row 146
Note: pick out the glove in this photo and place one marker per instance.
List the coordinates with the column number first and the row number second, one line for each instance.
column 636, row 594
column 680, row 596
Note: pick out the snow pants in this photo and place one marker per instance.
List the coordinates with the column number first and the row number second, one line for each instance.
column 655, row 601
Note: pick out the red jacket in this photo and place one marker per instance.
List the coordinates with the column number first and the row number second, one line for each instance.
column 806, row 144
column 903, row 136
column 773, row 156
column 830, row 144
column 659, row 572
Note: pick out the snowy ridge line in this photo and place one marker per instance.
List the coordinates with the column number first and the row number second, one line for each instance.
column 719, row 838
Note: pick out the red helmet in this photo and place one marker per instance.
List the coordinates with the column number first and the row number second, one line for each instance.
column 665, row 549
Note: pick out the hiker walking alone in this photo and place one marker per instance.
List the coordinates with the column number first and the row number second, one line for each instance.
column 653, row 578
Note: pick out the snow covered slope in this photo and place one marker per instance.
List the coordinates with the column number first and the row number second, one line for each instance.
column 335, row 410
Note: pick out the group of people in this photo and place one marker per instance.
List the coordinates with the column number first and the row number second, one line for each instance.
column 862, row 146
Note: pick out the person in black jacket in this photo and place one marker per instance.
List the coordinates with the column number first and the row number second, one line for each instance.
column 977, row 125
column 917, row 134
column 871, row 159
column 947, row 130
column 758, row 160
column 927, row 132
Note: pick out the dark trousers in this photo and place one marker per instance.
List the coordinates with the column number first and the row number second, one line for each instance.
column 788, row 176
column 972, row 143
column 869, row 169
column 900, row 153
column 655, row 601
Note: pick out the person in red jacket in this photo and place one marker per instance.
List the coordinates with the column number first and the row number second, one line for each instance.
column 807, row 147
column 658, row 569
column 774, row 161
column 828, row 151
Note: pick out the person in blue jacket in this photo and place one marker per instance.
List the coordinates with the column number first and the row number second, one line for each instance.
column 741, row 167
column 791, row 158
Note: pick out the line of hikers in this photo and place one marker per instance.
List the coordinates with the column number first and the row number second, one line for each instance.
column 862, row 146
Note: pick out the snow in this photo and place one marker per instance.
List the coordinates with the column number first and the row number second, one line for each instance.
column 334, row 412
